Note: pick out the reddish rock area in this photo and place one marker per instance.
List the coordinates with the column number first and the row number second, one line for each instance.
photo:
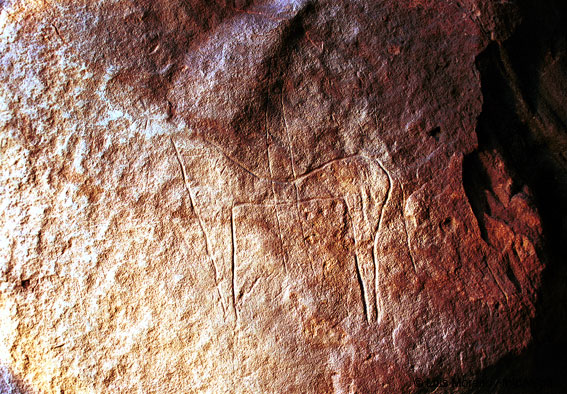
column 282, row 196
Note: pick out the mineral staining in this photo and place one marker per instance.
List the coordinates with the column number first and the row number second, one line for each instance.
column 250, row 198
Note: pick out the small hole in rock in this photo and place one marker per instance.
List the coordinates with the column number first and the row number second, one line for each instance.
column 435, row 133
column 447, row 223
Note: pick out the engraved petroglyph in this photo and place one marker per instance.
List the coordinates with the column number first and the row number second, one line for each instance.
column 357, row 183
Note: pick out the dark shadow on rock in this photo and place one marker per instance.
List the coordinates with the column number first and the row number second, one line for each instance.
column 524, row 118
column 475, row 182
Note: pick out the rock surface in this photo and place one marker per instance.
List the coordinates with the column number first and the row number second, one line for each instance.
column 255, row 197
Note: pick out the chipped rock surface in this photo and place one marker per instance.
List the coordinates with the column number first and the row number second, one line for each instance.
column 254, row 197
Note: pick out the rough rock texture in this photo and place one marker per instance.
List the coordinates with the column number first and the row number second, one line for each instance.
column 258, row 197
column 524, row 81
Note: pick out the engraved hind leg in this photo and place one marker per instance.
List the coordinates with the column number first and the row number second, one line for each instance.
column 364, row 185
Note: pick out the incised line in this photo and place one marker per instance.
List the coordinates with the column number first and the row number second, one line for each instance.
column 233, row 264
column 274, row 196
column 295, row 183
column 363, row 294
column 199, row 219
column 402, row 209
column 377, row 233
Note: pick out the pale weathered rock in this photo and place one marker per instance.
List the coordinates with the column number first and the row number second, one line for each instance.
column 265, row 197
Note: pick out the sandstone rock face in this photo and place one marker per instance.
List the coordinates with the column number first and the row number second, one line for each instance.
column 255, row 197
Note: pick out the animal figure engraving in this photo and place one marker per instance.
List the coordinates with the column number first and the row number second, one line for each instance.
column 353, row 191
